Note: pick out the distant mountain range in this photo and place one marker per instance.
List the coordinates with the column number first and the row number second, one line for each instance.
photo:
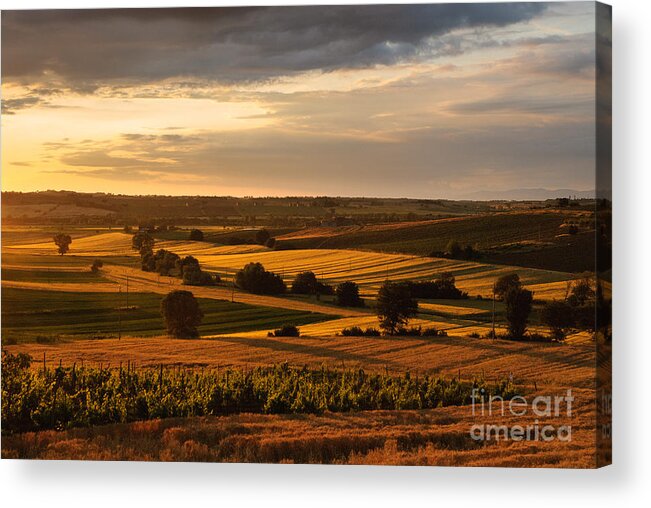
column 527, row 194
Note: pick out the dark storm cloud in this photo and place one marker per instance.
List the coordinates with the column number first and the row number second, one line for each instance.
column 229, row 44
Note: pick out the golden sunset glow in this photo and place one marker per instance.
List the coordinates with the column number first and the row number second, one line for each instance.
column 509, row 99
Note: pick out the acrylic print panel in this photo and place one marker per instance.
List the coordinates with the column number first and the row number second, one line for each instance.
column 320, row 234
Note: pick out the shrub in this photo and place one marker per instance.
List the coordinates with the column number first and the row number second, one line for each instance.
column 181, row 314
column 347, row 295
column 353, row 331
column 97, row 264
column 453, row 249
column 254, row 278
column 538, row 337
column 196, row 235
column 356, row 331
column 271, row 243
column 474, row 335
column 434, row 332
column 413, row 331
column 286, row 331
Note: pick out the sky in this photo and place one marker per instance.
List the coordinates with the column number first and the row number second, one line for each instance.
column 425, row 101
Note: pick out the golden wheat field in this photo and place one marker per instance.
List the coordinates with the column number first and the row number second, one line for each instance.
column 368, row 269
column 426, row 437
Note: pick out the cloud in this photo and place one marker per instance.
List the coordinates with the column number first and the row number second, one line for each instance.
column 10, row 106
column 85, row 47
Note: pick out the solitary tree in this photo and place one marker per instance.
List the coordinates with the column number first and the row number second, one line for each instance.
column 196, row 235
column 395, row 306
column 63, row 242
column 518, row 306
column 181, row 314
column 559, row 316
column 506, row 282
column 347, row 295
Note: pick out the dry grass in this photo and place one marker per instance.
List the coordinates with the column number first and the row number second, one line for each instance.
column 429, row 437
column 543, row 364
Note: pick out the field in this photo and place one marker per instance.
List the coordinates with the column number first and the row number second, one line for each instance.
column 59, row 312
column 35, row 314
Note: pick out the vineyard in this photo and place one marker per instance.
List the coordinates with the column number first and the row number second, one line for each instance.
column 72, row 397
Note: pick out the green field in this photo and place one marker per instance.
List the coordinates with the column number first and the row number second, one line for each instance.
column 10, row 274
column 28, row 314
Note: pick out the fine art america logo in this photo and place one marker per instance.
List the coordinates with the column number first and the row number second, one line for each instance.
column 542, row 407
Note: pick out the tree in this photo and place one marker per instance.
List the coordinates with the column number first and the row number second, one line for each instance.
column 97, row 264
column 271, row 243
column 142, row 242
column 453, row 249
column 506, row 282
column 63, row 242
column 347, row 295
column 262, row 236
column 147, row 260
column 286, row 331
column 181, row 314
column 196, row 235
column 166, row 262
column 518, row 307
column 193, row 275
column 395, row 306
column 188, row 262
column 305, row 283
column 582, row 292
column 254, row 278
column 559, row 316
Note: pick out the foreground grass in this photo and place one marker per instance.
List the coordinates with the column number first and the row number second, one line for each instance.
column 408, row 437
column 28, row 314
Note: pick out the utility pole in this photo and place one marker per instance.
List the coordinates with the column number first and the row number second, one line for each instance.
column 119, row 315
column 493, row 313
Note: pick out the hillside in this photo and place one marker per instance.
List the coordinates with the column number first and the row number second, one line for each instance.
column 537, row 239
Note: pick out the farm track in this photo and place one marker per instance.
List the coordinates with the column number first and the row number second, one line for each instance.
column 149, row 282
